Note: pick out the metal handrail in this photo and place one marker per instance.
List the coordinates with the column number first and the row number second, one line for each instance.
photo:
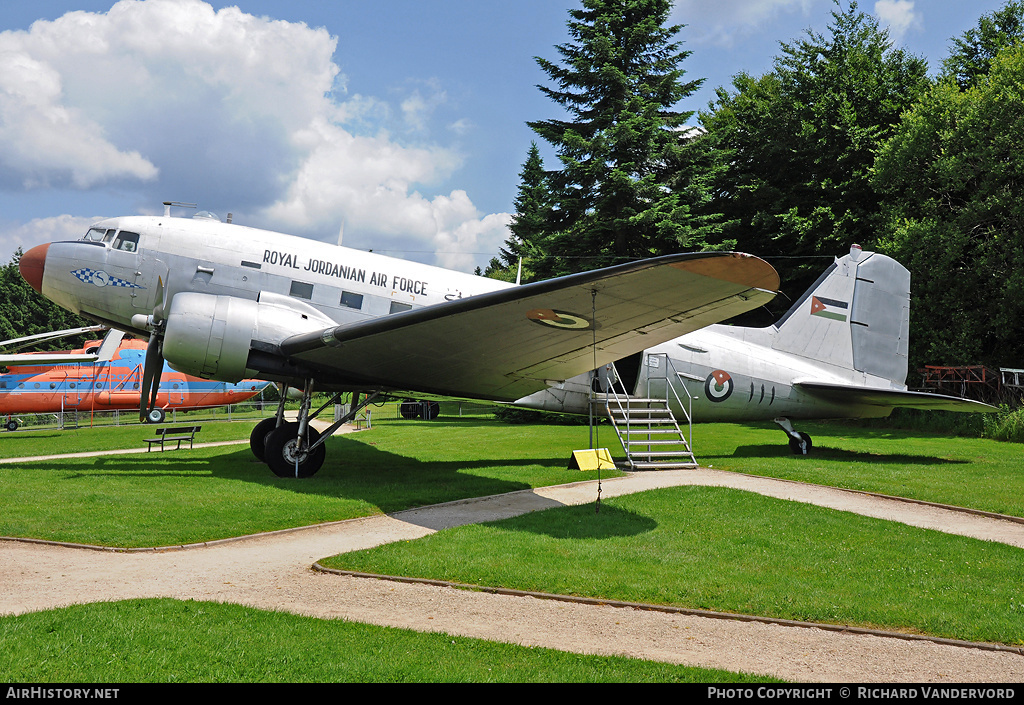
column 621, row 403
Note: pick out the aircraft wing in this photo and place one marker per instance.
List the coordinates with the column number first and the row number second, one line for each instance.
column 890, row 398
column 506, row 344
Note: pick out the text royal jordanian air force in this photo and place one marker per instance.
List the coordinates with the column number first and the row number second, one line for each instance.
column 341, row 271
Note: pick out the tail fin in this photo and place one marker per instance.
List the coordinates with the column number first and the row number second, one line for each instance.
column 856, row 316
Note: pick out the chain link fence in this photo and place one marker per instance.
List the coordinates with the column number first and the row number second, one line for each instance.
column 392, row 410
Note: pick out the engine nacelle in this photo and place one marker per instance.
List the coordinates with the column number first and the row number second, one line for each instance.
column 209, row 336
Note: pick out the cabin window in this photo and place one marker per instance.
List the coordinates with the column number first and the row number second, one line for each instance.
column 129, row 242
column 351, row 300
column 302, row 290
column 397, row 307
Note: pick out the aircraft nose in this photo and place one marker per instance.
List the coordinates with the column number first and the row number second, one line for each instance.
column 32, row 264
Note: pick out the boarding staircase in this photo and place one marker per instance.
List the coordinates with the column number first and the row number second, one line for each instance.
column 650, row 434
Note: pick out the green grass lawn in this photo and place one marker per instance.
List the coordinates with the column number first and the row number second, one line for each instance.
column 733, row 551
column 967, row 472
column 702, row 547
column 188, row 496
column 28, row 443
column 145, row 641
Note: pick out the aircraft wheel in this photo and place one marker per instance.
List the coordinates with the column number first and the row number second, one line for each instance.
column 156, row 416
column 410, row 409
column 431, row 410
column 258, row 437
column 802, row 446
column 283, row 453
column 11, row 425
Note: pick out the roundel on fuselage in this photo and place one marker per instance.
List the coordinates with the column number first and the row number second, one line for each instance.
column 718, row 386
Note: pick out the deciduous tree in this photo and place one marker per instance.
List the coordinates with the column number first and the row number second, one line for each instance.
column 952, row 176
column 798, row 143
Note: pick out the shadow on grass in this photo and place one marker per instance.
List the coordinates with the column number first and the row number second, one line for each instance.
column 834, row 454
column 354, row 470
column 582, row 522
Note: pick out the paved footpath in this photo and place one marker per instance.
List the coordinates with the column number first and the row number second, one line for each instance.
column 273, row 571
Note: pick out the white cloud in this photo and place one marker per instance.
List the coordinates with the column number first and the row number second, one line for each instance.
column 176, row 100
column 724, row 22
column 898, row 15
column 40, row 231
column 43, row 141
column 421, row 103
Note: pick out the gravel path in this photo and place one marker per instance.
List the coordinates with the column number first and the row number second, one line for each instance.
column 274, row 572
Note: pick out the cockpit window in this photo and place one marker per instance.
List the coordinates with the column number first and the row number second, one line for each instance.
column 129, row 242
column 95, row 234
column 110, row 235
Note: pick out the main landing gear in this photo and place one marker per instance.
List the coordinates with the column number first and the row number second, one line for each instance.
column 295, row 448
column 799, row 443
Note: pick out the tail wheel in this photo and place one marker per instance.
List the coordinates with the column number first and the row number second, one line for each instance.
column 258, row 437
column 801, row 446
column 288, row 455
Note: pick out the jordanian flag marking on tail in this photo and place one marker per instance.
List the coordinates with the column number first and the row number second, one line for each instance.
column 825, row 308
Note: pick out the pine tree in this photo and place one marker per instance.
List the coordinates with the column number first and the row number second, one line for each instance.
column 619, row 81
column 532, row 204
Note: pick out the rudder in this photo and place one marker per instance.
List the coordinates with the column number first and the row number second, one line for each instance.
column 856, row 316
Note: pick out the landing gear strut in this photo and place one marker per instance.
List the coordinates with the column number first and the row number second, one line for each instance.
column 799, row 443
column 294, row 448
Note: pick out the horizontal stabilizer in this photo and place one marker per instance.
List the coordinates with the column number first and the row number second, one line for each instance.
column 46, row 359
column 105, row 352
column 505, row 344
column 52, row 335
column 891, row 398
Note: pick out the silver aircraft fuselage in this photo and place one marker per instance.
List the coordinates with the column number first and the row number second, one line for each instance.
column 113, row 281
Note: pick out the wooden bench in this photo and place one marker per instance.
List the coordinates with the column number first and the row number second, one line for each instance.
column 174, row 433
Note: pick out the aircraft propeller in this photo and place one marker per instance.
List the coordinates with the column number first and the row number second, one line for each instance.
column 154, row 364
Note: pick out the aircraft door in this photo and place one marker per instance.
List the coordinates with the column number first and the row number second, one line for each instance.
column 174, row 387
column 149, row 270
column 76, row 389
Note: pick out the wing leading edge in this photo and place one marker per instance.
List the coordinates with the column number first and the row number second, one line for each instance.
column 891, row 398
column 509, row 343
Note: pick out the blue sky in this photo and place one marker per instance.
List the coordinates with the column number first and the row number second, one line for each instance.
column 400, row 124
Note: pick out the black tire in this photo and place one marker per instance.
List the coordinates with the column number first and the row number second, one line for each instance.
column 281, row 454
column 258, row 438
column 431, row 410
column 11, row 425
column 410, row 409
column 156, row 416
column 802, row 446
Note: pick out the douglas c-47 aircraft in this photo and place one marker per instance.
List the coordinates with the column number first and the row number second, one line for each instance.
column 840, row 351
column 225, row 302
